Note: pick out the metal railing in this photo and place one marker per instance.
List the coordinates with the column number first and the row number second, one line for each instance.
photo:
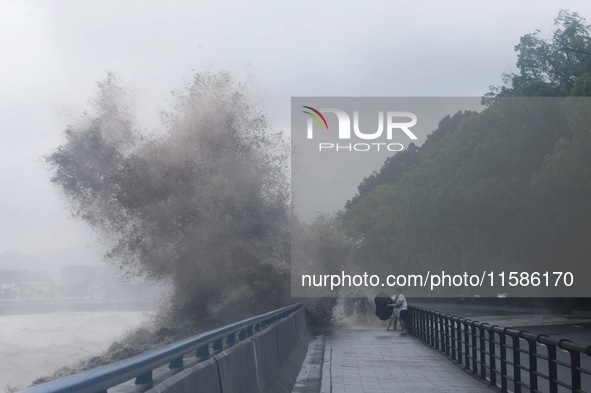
column 140, row 367
column 516, row 361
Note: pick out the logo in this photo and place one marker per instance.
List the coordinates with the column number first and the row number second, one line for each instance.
column 396, row 123
column 315, row 117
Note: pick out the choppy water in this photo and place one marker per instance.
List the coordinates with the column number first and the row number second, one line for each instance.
column 36, row 345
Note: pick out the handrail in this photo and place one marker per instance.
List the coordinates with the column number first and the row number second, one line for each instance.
column 140, row 367
column 474, row 344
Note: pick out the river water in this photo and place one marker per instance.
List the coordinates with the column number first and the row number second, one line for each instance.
column 36, row 345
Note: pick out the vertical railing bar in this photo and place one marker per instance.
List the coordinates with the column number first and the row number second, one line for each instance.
column 446, row 319
column 474, row 349
column 466, row 345
column 432, row 331
column 218, row 345
column 421, row 322
column 423, row 326
column 231, row 339
column 442, row 332
column 503, row 347
column 533, row 365
column 144, row 378
column 552, row 368
column 459, row 339
column 439, row 333
column 492, row 345
column 482, row 353
column 575, row 364
column 452, row 323
column 516, row 365
column 176, row 363
column 202, row 352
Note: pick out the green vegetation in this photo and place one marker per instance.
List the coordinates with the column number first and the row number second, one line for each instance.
column 507, row 187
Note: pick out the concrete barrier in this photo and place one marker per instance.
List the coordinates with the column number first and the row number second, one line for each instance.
column 238, row 368
column 270, row 370
column 267, row 362
column 302, row 327
column 290, row 348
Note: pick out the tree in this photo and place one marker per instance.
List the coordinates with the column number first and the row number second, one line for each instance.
column 549, row 68
column 505, row 187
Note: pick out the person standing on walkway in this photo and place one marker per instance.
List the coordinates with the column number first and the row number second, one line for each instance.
column 393, row 321
column 401, row 305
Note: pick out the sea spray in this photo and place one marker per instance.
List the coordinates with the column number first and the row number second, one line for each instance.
column 202, row 203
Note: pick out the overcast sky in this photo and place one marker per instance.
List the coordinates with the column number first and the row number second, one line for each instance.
column 54, row 52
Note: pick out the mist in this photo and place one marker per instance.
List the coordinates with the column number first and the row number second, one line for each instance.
column 201, row 203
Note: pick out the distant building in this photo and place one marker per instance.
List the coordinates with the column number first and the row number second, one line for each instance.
column 25, row 284
column 82, row 280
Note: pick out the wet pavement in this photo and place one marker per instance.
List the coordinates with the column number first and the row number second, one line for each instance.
column 373, row 360
column 368, row 359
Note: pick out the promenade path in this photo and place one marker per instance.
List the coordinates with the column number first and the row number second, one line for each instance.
column 373, row 360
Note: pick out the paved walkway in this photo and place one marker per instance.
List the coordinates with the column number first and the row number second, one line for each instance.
column 373, row 360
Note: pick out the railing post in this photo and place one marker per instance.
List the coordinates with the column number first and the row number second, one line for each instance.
column 218, row 345
column 466, row 345
column 482, row 353
column 420, row 323
column 474, row 349
column 436, row 331
column 459, row 339
column 552, row 368
column 415, row 316
column 202, row 352
column 575, row 365
column 503, row 346
column 516, row 365
column 453, row 338
column 176, row 363
column 533, row 364
column 144, row 378
column 446, row 326
column 441, row 333
column 492, row 345
column 432, row 330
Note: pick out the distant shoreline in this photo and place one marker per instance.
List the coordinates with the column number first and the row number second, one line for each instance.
column 20, row 307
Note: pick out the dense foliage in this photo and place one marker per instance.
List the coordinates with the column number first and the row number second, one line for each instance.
column 506, row 187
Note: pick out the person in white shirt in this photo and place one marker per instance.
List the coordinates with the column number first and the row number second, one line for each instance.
column 401, row 305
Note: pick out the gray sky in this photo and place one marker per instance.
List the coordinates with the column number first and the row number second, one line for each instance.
column 54, row 52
